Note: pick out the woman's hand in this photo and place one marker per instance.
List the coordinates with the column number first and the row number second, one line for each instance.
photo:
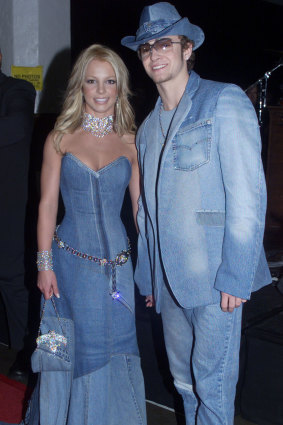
column 149, row 301
column 47, row 284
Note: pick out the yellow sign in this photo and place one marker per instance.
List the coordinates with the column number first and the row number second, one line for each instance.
column 33, row 74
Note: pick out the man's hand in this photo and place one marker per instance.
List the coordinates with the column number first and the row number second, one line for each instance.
column 149, row 301
column 229, row 302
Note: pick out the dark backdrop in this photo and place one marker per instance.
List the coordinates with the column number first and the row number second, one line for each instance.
column 244, row 38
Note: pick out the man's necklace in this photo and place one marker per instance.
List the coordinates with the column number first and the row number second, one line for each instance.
column 98, row 127
column 160, row 123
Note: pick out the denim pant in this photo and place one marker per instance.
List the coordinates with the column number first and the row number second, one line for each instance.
column 203, row 350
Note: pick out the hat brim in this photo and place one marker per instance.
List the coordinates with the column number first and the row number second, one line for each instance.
column 181, row 27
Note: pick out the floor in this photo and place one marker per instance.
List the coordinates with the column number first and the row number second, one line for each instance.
column 157, row 414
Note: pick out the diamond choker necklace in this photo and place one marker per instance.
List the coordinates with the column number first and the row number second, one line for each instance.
column 98, row 127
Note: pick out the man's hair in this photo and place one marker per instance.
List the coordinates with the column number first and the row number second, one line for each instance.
column 184, row 44
column 72, row 112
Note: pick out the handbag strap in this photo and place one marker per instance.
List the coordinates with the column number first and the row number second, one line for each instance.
column 42, row 314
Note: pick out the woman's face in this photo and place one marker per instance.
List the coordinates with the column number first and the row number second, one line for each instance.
column 100, row 88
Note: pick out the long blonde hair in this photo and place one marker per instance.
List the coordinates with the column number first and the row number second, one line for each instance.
column 73, row 107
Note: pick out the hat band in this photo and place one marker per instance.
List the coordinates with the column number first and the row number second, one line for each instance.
column 153, row 27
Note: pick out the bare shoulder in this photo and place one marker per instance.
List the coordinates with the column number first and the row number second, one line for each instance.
column 68, row 139
column 49, row 142
column 129, row 139
column 51, row 157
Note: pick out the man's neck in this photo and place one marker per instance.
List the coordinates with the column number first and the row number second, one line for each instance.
column 172, row 91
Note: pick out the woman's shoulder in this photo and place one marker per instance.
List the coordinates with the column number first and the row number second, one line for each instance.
column 54, row 141
column 68, row 139
column 129, row 139
column 129, row 143
column 51, row 155
column 50, row 139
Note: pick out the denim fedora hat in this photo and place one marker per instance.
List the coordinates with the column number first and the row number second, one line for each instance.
column 159, row 20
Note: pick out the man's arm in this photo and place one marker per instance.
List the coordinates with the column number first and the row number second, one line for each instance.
column 17, row 121
column 245, row 193
column 143, row 270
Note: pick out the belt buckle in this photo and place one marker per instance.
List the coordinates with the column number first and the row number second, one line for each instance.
column 121, row 258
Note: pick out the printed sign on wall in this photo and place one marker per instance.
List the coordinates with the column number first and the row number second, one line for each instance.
column 33, row 74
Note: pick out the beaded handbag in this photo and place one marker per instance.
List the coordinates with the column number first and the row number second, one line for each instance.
column 51, row 353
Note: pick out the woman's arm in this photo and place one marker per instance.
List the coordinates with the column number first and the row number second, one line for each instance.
column 48, row 206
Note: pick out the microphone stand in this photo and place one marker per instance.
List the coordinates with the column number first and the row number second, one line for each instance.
column 262, row 83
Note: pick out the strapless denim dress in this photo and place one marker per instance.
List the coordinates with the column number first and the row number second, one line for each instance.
column 105, row 385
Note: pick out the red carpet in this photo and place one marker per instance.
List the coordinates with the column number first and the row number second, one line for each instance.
column 13, row 398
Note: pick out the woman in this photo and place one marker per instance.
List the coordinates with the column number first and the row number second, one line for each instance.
column 91, row 155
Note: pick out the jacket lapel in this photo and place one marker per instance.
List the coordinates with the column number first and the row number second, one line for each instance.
column 152, row 147
column 181, row 112
column 183, row 109
column 153, row 141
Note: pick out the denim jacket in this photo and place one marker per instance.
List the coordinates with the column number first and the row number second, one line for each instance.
column 202, row 206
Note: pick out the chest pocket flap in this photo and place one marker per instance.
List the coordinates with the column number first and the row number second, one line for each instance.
column 191, row 145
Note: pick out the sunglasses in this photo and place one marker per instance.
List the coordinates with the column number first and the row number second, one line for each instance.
column 162, row 45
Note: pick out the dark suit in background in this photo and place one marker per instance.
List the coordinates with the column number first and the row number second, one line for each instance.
column 16, row 122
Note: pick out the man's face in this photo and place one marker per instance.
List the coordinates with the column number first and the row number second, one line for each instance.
column 167, row 63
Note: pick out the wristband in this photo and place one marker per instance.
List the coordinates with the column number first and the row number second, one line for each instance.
column 44, row 261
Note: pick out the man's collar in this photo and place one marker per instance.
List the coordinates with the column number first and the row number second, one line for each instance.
column 193, row 83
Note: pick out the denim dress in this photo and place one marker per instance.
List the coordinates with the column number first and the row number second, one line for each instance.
column 104, row 384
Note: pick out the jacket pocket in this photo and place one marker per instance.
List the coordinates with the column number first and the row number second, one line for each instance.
column 191, row 146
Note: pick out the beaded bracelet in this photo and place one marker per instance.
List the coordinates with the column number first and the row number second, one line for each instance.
column 44, row 260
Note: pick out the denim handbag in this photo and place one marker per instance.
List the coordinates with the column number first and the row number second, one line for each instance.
column 51, row 353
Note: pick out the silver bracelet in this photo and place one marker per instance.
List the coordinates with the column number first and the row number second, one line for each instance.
column 44, row 261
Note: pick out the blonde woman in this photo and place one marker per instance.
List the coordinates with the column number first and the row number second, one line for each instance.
column 91, row 157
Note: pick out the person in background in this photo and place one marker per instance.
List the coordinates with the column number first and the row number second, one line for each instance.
column 17, row 99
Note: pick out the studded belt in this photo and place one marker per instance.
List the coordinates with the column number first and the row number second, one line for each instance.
column 119, row 260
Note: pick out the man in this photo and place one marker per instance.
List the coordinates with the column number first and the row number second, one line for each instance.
column 201, row 214
column 16, row 121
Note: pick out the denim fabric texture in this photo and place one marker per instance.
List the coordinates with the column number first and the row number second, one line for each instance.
column 203, row 344
column 160, row 20
column 105, row 384
column 92, row 224
column 202, row 219
column 43, row 359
